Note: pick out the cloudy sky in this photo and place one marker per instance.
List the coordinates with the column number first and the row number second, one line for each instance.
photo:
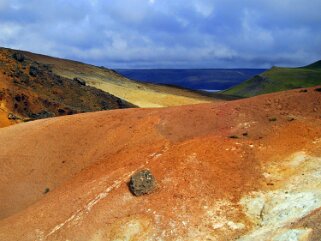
column 166, row 33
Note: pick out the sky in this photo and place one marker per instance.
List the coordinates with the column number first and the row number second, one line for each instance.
column 166, row 33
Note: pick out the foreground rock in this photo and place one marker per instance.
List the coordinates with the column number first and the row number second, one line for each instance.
column 142, row 182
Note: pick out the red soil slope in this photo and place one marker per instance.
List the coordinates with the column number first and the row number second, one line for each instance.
column 241, row 170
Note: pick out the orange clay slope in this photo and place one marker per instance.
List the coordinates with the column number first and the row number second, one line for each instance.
column 242, row 170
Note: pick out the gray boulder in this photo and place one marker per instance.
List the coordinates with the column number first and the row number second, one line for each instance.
column 142, row 182
column 33, row 71
column 18, row 56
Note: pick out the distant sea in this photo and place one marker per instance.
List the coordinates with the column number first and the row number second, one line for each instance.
column 196, row 79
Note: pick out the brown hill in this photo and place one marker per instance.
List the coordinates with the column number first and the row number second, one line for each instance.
column 241, row 170
column 30, row 90
column 138, row 93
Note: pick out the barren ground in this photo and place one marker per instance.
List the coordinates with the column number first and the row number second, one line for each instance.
column 240, row 170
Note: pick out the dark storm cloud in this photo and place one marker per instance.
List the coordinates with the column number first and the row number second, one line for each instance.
column 164, row 33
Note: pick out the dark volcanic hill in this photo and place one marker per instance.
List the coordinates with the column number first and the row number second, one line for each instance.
column 30, row 90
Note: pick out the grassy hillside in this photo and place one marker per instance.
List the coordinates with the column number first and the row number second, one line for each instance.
column 138, row 93
column 278, row 79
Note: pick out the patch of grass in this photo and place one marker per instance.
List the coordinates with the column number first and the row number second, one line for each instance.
column 279, row 79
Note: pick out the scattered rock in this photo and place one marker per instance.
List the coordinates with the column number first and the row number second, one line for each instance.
column 12, row 117
column 17, row 73
column 46, row 190
column 104, row 105
column 19, row 98
column 33, row 70
column 61, row 111
column 318, row 89
column 41, row 115
column 24, row 79
column 80, row 81
column 245, row 134
column 290, row 118
column 303, row 91
column 18, row 56
column 233, row 137
column 142, row 182
column 46, row 66
column 58, row 80
column 71, row 112
column 272, row 119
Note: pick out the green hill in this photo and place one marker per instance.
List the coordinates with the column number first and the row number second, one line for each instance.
column 278, row 79
column 316, row 65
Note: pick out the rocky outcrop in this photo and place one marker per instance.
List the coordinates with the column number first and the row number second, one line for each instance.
column 33, row 71
column 80, row 81
column 32, row 91
column 18, row 56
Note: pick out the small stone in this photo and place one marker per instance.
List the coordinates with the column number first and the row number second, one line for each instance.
column 12, row 117
column 41, row 115
column 18, row 56
column 272, row 119
column 46, row 190
column 80, row 81
column 318, row 89
column 33, row 70
column 142, row 182
column 290, row 118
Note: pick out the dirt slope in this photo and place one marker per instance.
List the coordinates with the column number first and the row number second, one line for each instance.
column 138, row 93
column 240, row 170
column 30, row 90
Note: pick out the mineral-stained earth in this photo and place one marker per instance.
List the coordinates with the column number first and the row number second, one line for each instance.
column 67, row 178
